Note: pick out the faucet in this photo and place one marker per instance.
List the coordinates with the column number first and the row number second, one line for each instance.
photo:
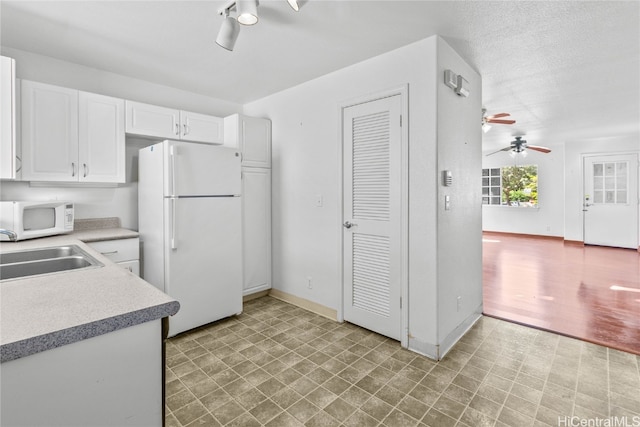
column 11, row 234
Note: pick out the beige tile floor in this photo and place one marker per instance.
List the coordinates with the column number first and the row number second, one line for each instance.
column 279, row 365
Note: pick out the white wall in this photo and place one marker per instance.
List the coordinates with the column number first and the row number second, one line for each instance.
column 548, row 218
column 459, row 230
column 306, row 152
column 118, row 201
column 574, row 150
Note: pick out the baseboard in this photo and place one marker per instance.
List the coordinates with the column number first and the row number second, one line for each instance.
column 255, row 295
column 534, row 236
column 438, row 351
column 579, row 243
column 256, row 289
column 311, row 306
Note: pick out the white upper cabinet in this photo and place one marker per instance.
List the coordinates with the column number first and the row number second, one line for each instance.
column 101, row 138
column 49, row 132
column 71, row 136
column 7, row 118
column 152, row 120
column 201, row 127
column 167, row 123
column 252, row 136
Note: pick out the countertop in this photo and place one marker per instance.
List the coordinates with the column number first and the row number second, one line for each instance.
column 39, row 313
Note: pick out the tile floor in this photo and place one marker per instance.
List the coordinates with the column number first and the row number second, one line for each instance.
column 279, row 365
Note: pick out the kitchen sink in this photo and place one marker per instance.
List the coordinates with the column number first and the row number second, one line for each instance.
column 33, row 262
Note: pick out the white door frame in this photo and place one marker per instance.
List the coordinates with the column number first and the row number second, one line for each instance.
column 583, row 157
column 403, row 91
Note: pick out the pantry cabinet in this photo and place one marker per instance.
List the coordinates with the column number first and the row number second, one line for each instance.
column 167, row 123
column 8, row 155
column 252, row 137
column 71, row 136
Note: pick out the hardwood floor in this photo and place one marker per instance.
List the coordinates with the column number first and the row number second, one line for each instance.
column 591, row 292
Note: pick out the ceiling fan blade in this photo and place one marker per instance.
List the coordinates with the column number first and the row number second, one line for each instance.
column 503, row 149
column 502, row 122
column 497, row 116
column 538, row 148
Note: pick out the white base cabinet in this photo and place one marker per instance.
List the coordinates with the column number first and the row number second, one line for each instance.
column 113, row 379
column 167, row 123
column 124, row 252
column 71, row 136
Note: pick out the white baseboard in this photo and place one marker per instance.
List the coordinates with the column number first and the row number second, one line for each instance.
column 311, row 306
column 438, row 351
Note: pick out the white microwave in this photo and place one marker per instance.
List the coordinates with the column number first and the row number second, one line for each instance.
column 27, row 220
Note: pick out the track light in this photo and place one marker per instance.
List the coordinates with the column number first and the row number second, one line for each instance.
column 228, row 33
column 247, row 15
column 247, row 11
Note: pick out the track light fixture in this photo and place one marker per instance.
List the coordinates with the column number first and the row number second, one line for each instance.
column 229, row 31
column 247, row 11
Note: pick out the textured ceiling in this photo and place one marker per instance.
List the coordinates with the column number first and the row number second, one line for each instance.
column 563, row 69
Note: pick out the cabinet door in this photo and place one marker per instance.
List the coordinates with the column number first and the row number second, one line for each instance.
column 49, row 132
column 256, row 229
column 252, row 136
column 152, row 120
column 255, row 142
column 101, row 136
column 7, row 118
column 201, row 128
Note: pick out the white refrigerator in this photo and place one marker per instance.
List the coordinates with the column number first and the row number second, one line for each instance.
column 189, row 209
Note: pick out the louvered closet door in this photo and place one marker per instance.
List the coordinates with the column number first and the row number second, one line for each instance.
column 372, row 208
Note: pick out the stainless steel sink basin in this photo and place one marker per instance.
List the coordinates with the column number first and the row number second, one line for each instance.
column 33, row 262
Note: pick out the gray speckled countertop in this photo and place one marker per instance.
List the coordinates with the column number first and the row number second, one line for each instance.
column 39, row 313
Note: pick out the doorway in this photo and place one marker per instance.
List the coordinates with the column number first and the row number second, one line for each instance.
column 374, row 239
column 611, row 200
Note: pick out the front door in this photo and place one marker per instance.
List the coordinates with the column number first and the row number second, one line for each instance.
column 372, row 173
column 611, row 200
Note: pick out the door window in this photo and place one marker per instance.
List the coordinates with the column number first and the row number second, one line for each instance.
column 610, row 182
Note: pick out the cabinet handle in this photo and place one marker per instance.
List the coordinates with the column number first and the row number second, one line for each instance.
column 86, row 170
column 177, row 129
column 19, row 168
column 109, row 253
column 73, row 169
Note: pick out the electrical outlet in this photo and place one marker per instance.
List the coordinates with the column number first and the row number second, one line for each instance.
column 459, row 303
column 309, row 285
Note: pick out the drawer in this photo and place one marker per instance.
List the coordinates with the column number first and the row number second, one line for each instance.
column 118, row 250
column 132, row 266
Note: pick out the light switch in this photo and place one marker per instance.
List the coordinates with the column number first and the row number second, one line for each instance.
column 447, row 203
column 319, row 200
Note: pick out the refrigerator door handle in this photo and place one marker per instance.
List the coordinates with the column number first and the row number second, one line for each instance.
column 172, row 154
column 174, row 244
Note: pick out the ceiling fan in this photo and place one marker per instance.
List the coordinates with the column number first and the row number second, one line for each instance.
column 519, row 145
column 495, row 118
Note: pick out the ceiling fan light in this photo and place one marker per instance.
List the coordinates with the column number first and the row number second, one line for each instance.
column 512, row 153
column 486, row 127
column 247, row 11
column 294, row 5
column 523, row 153
column 228, row 33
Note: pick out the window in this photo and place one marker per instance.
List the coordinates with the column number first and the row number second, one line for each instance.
column 491, row 186
column 610, row 182
column 510, row 186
